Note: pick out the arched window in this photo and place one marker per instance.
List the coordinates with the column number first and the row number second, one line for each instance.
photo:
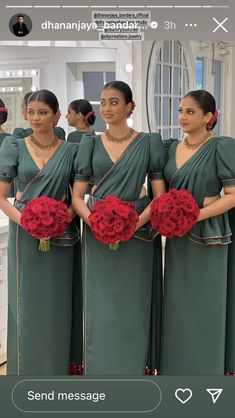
column 171, row 74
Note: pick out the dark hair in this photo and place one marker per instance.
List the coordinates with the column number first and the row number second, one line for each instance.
column 84, row 106
column 45, row 96
column 3, row 113
column 26, row 97
column 205, row 101
column 122, row 87
column 20, row 16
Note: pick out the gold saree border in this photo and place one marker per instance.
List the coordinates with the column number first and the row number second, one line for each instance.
column 216, row 236
column 219, row 243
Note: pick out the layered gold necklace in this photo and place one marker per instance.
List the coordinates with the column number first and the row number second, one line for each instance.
column 43, row 147
column 197, row 144
column 119, row 140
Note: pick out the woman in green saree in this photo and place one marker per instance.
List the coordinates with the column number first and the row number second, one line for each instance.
column 3, row 119
column 24, row 132
column 196, row 265
column 3, row 134
column 40, row 284
column 117, row 285
column 81, row 116
column 230, row 329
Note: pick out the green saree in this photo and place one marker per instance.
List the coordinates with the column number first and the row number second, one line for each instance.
column 76, row 136
column 230, row 334
column 117, row 285
column 2, row 136
column 76, row 352
column 195, row 283
column 39, row 284
column 22, row 133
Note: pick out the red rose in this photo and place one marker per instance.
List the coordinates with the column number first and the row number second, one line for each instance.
column 47, row 221
column 119, row 226
column 163, row 206
column 123, row 211
column 177, row 213
column 40, row 229
column 32, row 225
column 37, row 208
column 52, row 209
column 168, row 227
column 44, row 213
column 112, row 200
column 189, row 207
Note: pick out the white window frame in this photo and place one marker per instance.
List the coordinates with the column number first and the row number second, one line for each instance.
column 187, row 51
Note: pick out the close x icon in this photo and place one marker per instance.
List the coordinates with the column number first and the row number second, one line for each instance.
column 220, row 25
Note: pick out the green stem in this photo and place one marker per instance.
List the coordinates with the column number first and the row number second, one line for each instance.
column 44, row 245
column 114, row 246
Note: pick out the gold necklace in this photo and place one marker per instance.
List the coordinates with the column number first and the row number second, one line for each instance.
column 119, row 140
column 44, row 147
column 197, row 144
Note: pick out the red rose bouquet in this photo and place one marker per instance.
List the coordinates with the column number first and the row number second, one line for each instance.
column 113, row 220
column 173, row 214
column 45, row 217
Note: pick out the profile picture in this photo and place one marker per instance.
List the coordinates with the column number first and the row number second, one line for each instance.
column 20, row 25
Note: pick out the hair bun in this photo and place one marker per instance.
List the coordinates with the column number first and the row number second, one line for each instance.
column 90, row 118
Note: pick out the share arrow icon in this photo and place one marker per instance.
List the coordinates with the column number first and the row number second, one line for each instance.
column 215, row 394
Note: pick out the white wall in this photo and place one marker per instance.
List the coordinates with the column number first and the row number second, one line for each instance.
column 57, row 76
column 231, row 93
column 54, row 71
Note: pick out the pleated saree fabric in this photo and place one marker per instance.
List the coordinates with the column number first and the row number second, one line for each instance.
column 39, row 284
column 117, row 285
column 196, row 267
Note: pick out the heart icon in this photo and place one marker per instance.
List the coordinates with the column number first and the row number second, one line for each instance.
column 183, row 395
